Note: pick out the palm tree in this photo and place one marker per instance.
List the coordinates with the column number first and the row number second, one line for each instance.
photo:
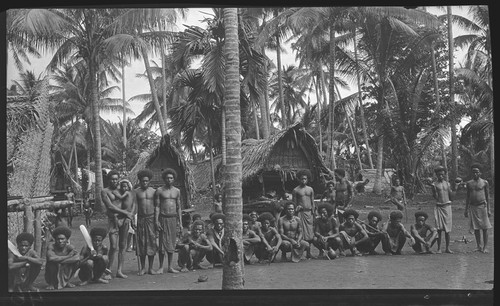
column 454, row 145
column 233, row 270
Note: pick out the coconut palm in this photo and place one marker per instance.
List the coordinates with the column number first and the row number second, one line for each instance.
column 233, row 270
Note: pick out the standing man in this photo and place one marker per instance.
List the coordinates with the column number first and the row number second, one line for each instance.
column 168, row 217
column 146, row 227
column 343, row 193
column 303, row 196
column 477, row 207
column 119, row 219
column 70, row 196
column 442, row 212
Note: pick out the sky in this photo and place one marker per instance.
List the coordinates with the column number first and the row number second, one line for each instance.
column 135, row 86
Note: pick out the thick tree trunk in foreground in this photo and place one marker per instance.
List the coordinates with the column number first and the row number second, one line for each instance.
column 233, row 270
column 97, row 136
column 377, row 187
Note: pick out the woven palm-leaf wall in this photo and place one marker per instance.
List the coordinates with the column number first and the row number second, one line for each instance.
column 28, row 146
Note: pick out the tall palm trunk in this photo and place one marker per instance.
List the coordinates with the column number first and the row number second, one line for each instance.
column 318, row 101
column 223, row 140
column 361, row 109
column 164, row 82
column 377, row 187
column 454, row 145
column 233, row 270
column 124, row 154
column 280, row 84
column 97, row 135
column 212, row 168
column 264, row 107
column 156, row 103
column 256, row 120
column 332, row 92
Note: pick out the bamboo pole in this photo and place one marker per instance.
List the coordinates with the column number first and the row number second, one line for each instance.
column 38, row 232
column 28, row 218
column 31, row 200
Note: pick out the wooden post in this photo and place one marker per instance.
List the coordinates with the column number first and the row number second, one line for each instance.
column 38, row 232
column 28, row 217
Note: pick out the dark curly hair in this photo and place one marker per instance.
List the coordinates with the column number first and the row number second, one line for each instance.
column 61, row 230
column 145, row 173
column 113, row 172
column 98, row 231
column 475, row 165
column 25, row 237
column 217, row 216
column 247, row 217
column 396, row 215
column 421, row 214
column 327, row 206
column 340, row 172
column 285, row 205
column 440, row 168
column 266, row 216
column 168, row 171
column 350, row 212
column 198, row 222
column 305, row 172
column 374, row 213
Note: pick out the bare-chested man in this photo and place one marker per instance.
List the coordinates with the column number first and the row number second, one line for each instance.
column 396, row 234
column 374, row 232
column 352, row 233
column 250, row 240
column 146, row 227
column 442, row 211
column 343, row 194
column 329, row 194
column 425, row 235
column 193, row 247
column 168, row 217
column 477, row 207
column 270, row 239
column 119, row 218
column 303, row 196
column 398, row 196
column 291, row 233
column 326, row 232
column 215, row 235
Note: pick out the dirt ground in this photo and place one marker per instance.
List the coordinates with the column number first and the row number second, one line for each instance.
column 464, row 270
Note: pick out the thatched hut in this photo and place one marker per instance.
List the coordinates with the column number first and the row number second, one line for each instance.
column 203, row 173
column 164, row 156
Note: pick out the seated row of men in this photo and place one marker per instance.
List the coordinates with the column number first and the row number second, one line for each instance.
column 262, row 237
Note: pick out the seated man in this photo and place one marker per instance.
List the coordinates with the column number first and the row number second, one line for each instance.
column 351, row 233
column 291, row 234
column 326, row 232
column 94, row 262
column 396, row 233
column 425, row 235
column 193, row 247
column 215, row 236
column 374, row 232
column 250, row 240
column 24, row 269
column 270, row 239
column 62, row 260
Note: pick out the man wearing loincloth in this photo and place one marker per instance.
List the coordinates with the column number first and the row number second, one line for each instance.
column 398, row 196
column 290, row 229
column 168, row 217
column 477, row 207
column 303, row 196
column 396, row 234
column 374, row 232
column 326, row 232
column 146, row 227
column 270, row 239
column 94, row 262
column 351, row 233
column 250, row 239
column 442, row 211
column 193, row 247
column 343, row 194
column 120, row 214
column 425, row 235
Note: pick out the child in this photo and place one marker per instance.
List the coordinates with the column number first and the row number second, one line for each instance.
column 87, row 212
column 442, row 192
column 398, row 196
column 419, row 230
column 218, row 203
column 70, row 196
column 93, row 263
column 396, row 233
column 23, row 270
column 477, row 207
column 62, row 260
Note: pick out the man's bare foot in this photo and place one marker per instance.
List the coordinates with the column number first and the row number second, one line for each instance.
column 160, row 271
column 172, row 270
column 107, row 277
column 438, row 252
column 153, row 272
column 32, row 289
column 485, row 251
column 102, row 281
column 448, row 251
column 70, row 285
column 84, row 283
column 142, row 272
column 129, row 250
column 184, row 269
column 50, row 287
column 120, row 275
column 388, row 253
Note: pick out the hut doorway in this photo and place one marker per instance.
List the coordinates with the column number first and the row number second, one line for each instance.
column 273, row 185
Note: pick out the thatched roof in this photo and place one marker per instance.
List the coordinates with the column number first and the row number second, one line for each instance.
column 147, row 158
column 29, row 140
column 203, row 174
column 256, row 157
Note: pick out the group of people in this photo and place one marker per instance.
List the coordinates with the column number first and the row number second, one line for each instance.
column 331, row 226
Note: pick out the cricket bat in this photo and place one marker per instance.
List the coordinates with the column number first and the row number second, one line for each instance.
column 13, row 248
column 86, row 236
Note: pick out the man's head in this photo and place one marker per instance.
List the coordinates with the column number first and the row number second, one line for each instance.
column 440, row 173
column 395, row 217
column 144, row 176
column 476, row 170
column 374, row 217
column 265, row 220
column 330, row 185
column 197, row 228
column 339, row 174
column 196, row 217
column 169, row 175
column 289, row 208
column 113, row 178
column 350, row 216
column 253, row 216
column 325, row 210
column 246, row 222
column 69, row 189
column 218, row 221
column 421, row 217
column 304, row 176
column 397, row 181
column 125, row 185
column 61, row 235
column 97, row 234
column 218, row 197
column 86, row 204
column 24, row 242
